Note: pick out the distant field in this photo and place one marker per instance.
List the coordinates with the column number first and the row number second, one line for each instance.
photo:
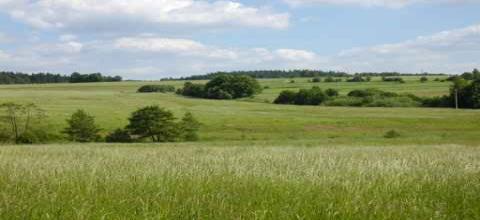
column 246, row 181
column 256, row 120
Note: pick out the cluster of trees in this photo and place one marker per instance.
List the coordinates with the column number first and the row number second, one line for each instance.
column 41, row 78
column 463, row 94
column 327, row 79
column 301, row 73
column 357, row 98
column 393, row 79
column 25, row 124
column 359, row 78
column 270, row 74
column 223, row 87
column 156, row 88
column 36, row 78
column 313, row 96
column 93, row 77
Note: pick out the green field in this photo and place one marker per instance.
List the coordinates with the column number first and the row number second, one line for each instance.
column 256, row 120
column 254, row 160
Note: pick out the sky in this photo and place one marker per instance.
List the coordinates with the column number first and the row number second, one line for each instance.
column 153, row 39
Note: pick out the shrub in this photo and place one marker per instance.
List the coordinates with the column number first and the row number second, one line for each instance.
column 345, row 101
column 189, row 127
column 286, row 97
column 192, row 90
column 119, row 136
column 156, row 88
column 82, row 127
column 314, row 96
column 392, row 134
column 331, row 79
column 439, row 101
column 155, row 123
column 331, row 92
column 316, row 80
column 393, row 79
column 424, row 79
column 357, row 79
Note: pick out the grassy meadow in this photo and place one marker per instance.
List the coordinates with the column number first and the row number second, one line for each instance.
column 201, row 181
column 254, row 160
column 255, row 119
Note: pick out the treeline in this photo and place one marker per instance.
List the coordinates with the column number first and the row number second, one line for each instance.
column 27, row 124
column 464, row 93
column 259, row 74
column 355, row 98
column 42, row 78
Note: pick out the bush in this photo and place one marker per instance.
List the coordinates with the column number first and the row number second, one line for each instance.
column 119, row 136
column 82, row 128
column 345, row 101
column 314, row 96
column 424, row 79
column 286, row 97
column 189, row 127
column 331, row 92
column 192, row 90
column 331, row 79
column 357, row 79
column 316, row 80
column 393, row 79
column 392, row 134
column 156, row 88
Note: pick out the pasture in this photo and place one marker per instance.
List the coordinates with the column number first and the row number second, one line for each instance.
column 255, row 160
column 256, row 120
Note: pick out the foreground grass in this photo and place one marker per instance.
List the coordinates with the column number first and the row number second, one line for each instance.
column 291, row 181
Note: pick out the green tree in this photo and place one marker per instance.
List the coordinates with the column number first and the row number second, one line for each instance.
column 82, row 127
column 189, row 127
column 155, row 123
column 232, row 87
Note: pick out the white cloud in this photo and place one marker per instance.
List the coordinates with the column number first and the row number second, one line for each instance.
column 130, row 14
column 295, row 55
column 150, row 56
column 448, row 51
column 4, row 56
column 4, row 38
column 372, row 3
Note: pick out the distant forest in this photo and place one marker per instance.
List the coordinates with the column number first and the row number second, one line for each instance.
column 40, row 78
column 259, row 74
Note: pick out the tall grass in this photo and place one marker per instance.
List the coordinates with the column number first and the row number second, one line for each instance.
column 239, row 182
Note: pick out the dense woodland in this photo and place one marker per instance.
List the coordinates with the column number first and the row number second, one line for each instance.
column 261, row 74
column 42, row 78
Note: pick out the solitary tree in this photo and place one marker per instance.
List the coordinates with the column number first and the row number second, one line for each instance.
column 189, row 127
column 155, row 123
column 82, row 127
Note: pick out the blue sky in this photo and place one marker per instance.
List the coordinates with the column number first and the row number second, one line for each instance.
column 151, row 39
